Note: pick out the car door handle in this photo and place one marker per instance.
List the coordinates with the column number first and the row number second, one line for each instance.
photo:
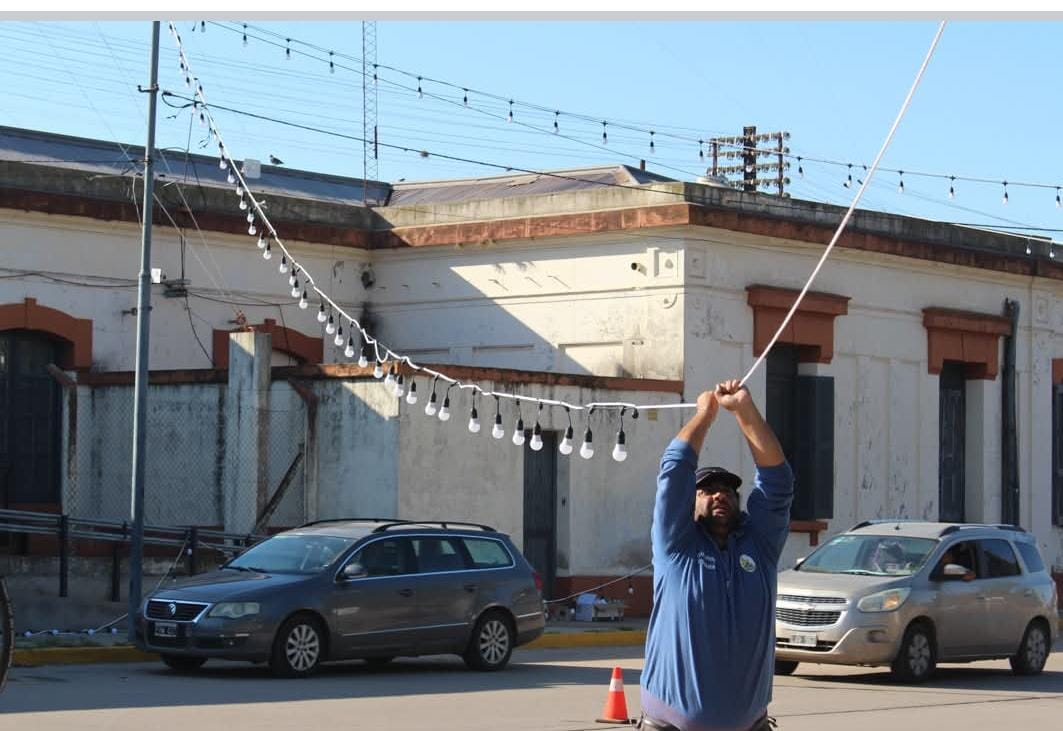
column 405, row 592
column 983, row 597
column 1029, row 592
column 470, row 587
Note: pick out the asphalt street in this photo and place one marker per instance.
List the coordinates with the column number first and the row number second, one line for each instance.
column 559, row 689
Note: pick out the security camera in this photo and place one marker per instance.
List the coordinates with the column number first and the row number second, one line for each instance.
column 636, row 267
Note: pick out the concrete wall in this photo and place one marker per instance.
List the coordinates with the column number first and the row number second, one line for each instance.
column 226, row 272
column 558, row 305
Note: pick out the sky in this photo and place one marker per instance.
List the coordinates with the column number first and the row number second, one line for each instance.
column 987, row 108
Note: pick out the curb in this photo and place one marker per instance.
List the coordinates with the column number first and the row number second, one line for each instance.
column 611, row 638
column 31, row 657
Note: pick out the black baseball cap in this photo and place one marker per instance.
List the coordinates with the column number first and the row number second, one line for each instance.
column 717, row 474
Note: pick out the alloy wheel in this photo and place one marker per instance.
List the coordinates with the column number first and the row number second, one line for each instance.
column 494, row 641
column 1036, row 648
column 302, row 648
column 919, row 655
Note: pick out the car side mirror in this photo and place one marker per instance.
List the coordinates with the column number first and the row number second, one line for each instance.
column 353, row 570
column 954, row 571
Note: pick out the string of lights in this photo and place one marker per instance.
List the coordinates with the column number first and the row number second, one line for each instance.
column 513, row 106
column 386, row 362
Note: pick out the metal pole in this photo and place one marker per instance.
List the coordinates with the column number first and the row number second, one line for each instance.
column 136, row 549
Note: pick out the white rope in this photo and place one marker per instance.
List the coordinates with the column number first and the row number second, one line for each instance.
column 852, row 206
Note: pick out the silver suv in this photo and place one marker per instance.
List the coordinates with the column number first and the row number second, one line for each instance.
column 345, row 589
column 910, row 594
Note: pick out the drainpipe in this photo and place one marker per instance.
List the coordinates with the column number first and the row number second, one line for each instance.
column 1009, row 463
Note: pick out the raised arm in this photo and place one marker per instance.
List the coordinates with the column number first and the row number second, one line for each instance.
column 769, row 502
column 673, row 511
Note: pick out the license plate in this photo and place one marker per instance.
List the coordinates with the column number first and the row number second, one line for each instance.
column 803, row 640
column 166, row 629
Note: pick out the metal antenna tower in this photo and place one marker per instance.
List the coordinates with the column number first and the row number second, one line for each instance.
column 369, row 132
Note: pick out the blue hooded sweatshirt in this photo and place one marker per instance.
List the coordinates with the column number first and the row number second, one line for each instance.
column 710, row 648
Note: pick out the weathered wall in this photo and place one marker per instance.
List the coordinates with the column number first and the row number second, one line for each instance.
column 559, row 305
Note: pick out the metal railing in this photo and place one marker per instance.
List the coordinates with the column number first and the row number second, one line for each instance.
column 191, row 540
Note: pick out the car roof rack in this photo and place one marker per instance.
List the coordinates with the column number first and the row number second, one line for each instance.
column 948, row 530
column 884, row 521
column 443, row 524
column 348, row 520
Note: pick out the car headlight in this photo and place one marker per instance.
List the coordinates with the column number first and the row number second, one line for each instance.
column 234, row 610
column 884, row 601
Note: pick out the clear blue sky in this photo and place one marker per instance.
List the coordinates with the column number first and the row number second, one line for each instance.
column 987, row 107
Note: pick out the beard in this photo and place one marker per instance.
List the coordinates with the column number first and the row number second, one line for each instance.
column 729, row 521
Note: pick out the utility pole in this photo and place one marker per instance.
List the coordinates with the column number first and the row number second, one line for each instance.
column 140, row 406
column 746, row 148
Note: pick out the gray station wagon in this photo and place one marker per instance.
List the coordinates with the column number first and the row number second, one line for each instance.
column 346, row 589
column 910, row 594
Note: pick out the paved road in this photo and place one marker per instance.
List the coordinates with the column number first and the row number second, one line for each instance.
column 560, row 690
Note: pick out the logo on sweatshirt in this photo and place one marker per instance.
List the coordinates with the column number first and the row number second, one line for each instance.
column 747, row 563
column 708, row 562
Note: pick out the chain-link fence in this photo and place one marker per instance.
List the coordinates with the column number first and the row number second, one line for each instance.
column 204, row 455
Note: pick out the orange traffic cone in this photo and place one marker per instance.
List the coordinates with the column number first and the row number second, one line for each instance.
column 615, row 710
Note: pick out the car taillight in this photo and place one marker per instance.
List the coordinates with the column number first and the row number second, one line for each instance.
column 538, row 581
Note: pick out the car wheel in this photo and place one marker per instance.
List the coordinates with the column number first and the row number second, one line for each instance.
column 183, row 663
column 785, row 667
column 917, row 658
column 298, row 648
column 377, row 663
column 491, row 643
column 1033, row 651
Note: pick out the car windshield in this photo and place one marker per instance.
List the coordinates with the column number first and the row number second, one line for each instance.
column 292, row 554
column 870, row 555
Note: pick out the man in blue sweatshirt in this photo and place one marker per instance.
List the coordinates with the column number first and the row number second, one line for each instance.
column 710, row 648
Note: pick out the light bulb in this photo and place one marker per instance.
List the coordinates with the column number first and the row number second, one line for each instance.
column 362, row 360
column 620, row 450
column 243, row 205
column 222, row 164
column 389, row 378
column 430, row 407
column 292, row 279
column 338, row 340
column 283, row 268
column 295, row 291
column 321, row 317
column 586, row 449
column 378, row 372
column 444, row 413
column 250, row 214
column 474, row 421
column 303, row 301
column 400, row 386
column 330, row 326
column 267, row 253
column 251, row 230
column 349, row 350
column 536, row 442
column 518, row 432
column 565, row 447
column 497, row 431
column 411, row 395
column 261, row 242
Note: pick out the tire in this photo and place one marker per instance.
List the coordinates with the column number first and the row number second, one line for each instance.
column 378, row 663
column 785, row 667
column 298, row 648
column 917, row 658
column 491, row 644
column 1033, row 650
column 183, row 663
